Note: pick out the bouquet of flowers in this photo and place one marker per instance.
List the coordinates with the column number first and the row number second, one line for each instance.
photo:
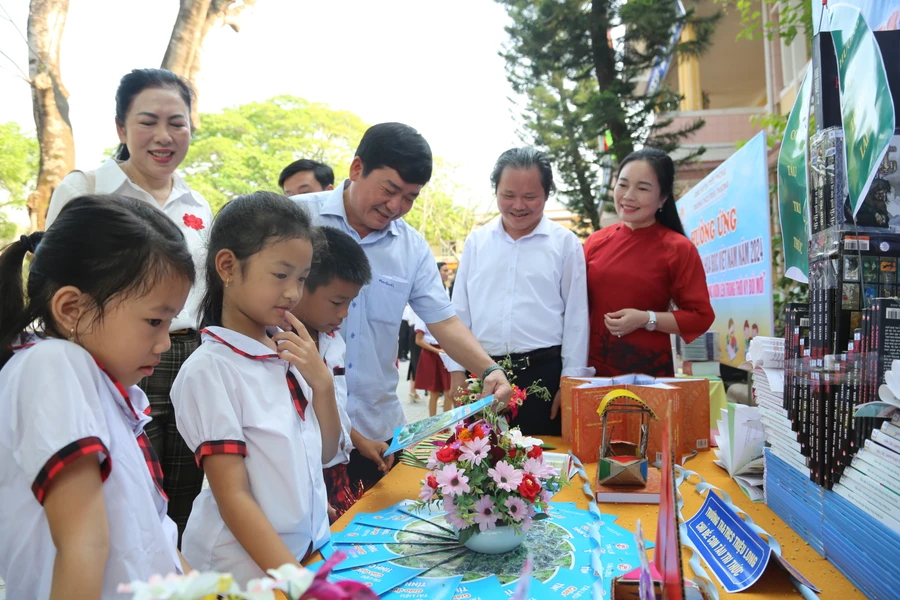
column 474, row 387
column 487, row 475
column 289, row 582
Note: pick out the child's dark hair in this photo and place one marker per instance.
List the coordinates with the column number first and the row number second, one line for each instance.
column 139, row 80
column 338, row 256
column 106, row 246
column 245, row 225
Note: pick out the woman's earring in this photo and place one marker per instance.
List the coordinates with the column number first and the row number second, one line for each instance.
column 227, row 282
column 72, row 335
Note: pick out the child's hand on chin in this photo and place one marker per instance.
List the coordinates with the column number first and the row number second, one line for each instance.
column 300, row 350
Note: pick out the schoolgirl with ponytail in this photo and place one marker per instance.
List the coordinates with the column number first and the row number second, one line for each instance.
column 80, row 486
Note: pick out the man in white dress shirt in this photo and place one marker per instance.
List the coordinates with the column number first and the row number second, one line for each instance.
column 392, row 164
column 521, row 288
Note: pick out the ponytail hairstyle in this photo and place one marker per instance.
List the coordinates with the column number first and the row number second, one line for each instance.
column 106, row 246
column 245, row 226
column 664, row 168
column 136, row 82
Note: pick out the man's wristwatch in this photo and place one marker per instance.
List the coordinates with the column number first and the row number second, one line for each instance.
column 651, row 323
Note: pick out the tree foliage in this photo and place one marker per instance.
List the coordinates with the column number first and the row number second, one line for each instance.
column 794, row 18
column 18, row 172
column 582, row 85
column 244, row 148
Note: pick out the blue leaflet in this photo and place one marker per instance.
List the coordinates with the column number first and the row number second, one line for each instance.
column 359, row 555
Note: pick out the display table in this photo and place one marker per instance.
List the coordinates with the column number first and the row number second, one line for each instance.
column 403, row 483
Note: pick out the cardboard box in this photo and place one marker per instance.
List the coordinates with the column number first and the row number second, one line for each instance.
column 587, row 430
column 692, row 393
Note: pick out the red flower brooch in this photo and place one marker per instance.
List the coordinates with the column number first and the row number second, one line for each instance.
column 193, row 221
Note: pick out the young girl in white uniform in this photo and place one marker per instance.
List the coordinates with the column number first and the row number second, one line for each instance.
column 80, row 486
column 255, row 403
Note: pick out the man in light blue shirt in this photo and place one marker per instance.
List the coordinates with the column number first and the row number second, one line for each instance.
column 392, row 164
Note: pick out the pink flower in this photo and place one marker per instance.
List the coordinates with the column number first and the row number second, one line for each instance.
column 485, row 513
column 515, row 508
column 427, row 493
column 452, row 480
column 526, row 524
column 475, row 451
column 451, row 517
column 507, row 477
column 538, row 468
column 433, row 462
column 546, row 497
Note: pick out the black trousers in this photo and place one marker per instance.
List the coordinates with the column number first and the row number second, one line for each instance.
column 534, row 414
column 403, row 348
column 414, row 351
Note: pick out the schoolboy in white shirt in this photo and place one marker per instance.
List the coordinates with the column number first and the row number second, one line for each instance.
column 339, row 270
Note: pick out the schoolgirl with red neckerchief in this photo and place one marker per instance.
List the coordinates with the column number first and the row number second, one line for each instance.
column 80, row 486
column 256, row 403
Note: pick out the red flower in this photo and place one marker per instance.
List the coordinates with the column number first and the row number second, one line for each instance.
column 513, row 452
column 497, row 454
column 448, row 454
column 192, row 221
column 535, row 452
column 431, row 481
column 529, row 488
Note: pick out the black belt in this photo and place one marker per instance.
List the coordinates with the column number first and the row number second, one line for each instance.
column 183, row 333
column 524, row 360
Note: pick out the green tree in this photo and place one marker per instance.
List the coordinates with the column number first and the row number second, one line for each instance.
column 244, row 149
column 437, row 214
column 794, row 18
column 581, row 85
column 18, row 172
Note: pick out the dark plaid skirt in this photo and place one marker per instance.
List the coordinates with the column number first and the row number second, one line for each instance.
column 341, row 493
column 182, row 479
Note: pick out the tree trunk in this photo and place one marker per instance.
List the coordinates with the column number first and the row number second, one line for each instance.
column 578, row 164
column 604, row 60
column 196, row 18
column 50, row 100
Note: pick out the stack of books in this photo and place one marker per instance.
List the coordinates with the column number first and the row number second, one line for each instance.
column 704, row 348
column 700, row 358
column 872, row 480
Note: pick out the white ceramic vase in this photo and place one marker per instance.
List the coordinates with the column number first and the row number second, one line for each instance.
column 495, row 541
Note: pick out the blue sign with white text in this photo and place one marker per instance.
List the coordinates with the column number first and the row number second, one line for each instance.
column 737, row 556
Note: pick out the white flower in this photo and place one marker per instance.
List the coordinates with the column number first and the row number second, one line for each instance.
column 180, row 587
column 516, row 437
column 291, row 579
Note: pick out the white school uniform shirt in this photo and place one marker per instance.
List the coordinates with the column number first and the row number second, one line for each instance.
column 56, row 406
column 426, row 335
column 403, row 270
column 332, row 350
column 522, row 295
column 233, row 396
column 187, row 209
